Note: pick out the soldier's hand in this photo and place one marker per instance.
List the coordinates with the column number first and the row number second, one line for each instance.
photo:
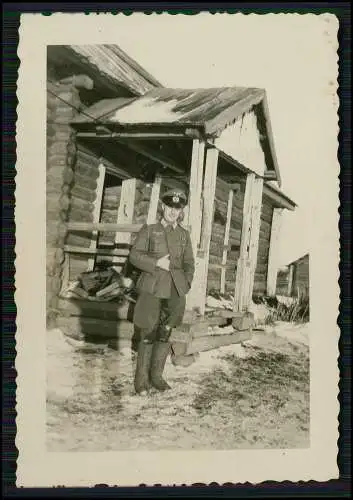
column 164, row 262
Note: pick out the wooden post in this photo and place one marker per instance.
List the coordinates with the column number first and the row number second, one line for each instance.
column 152, row 209
column 226, row 240
column 243, row 263
column 126, row 210
column 249, row 243
column 254, row 236
column 273, row 256
column 290, row 280
column 197, row 294
column 97, row 212
column 195, row 191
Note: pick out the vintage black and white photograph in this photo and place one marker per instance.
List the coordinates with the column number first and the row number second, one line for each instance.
column 185, row 164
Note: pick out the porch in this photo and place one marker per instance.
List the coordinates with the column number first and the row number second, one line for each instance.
column 149, row 147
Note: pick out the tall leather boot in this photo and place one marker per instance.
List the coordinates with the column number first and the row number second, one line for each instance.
column 143, row 363
column 159, row 357
column 160, row 353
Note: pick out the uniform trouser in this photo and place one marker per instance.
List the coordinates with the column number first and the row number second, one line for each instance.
column 153, row 312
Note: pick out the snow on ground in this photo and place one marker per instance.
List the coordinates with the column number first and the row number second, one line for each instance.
column 238, row 396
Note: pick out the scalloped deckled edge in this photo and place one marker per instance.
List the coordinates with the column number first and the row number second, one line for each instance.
column 22, row 395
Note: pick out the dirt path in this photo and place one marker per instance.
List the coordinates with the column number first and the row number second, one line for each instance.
column 250, row 396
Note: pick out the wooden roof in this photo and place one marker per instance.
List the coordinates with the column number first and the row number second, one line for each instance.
column 213, row 108
column 209, row 109
column 106, row 64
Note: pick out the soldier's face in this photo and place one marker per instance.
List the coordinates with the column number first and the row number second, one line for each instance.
column 171, row 214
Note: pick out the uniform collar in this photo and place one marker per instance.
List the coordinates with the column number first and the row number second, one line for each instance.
column 165, row 224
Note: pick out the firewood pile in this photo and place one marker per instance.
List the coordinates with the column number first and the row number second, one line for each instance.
column 217, row 300
column 102, row 286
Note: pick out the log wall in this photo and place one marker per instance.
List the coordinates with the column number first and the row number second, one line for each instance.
column 217, row 236
column 260, row 283
column 61, row 153
column 82, row 195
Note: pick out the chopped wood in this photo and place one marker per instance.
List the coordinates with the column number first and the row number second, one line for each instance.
column 108, row 289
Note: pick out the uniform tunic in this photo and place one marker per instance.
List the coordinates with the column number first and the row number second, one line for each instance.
column 162, row 293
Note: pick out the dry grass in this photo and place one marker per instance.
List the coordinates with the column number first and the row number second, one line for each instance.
column 267, row 390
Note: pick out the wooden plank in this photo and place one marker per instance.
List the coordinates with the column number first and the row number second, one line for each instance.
column 226, row 240
column 97, row 251
column 135, row 135
column 243, row 262
column 273, row 256
column 108, row 227
column 97, row 212
column 154, row 155
column 212, row 342
column 194, row 205
column 199, row 288
column 126, row 209
column 152, row 209
column 254, row 238
column 279, row 199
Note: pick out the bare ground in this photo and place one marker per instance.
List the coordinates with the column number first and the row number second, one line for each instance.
column 254, row 395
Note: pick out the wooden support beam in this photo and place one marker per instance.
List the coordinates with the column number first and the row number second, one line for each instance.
column 152, row 209
column 226, row 240
column 243, row 261
column 212, row 342
column 125, row 210
column 273, row 256
column 97, row 251
column 97, row 212
column 195, row 196
column 249, row 243
column 137, row 135
column 87, row 227
column 255, row 234
column 154, row 155
column 197, row 294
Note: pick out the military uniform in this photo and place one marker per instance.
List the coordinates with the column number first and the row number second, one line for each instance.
column 162, row 293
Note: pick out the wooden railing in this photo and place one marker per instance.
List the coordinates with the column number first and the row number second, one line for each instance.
column 103, row 227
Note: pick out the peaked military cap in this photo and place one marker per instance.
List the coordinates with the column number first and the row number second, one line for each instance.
column 175, row 198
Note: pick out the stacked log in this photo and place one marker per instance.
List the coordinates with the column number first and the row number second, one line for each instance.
column 110, row 206
column 264, row 247
column 62, row 99
column 81, row 201
column 218, row 233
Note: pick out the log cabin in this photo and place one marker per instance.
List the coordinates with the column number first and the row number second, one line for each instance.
column 116, row 139
column 298, row 277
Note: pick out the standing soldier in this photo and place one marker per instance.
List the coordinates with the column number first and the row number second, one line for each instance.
column 163, row 252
